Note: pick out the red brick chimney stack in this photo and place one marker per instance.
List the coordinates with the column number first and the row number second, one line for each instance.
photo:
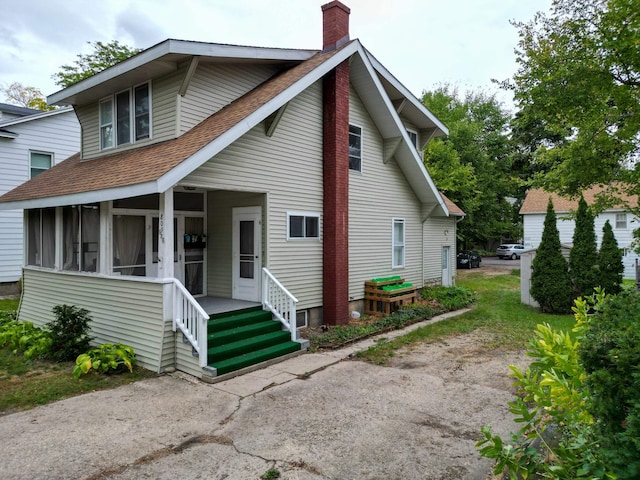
column 335, row 25
column 335, row 268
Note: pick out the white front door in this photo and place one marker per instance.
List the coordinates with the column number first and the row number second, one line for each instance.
column 446, row 266
column 246, row 253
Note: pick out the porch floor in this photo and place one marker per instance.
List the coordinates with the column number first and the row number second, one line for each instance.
column 215, row 305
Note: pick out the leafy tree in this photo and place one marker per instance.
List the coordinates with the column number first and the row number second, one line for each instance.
column 583, row 256
column 23, row 96
column 550, row 283
column 473, row 165
column 578, row 93
column 104, row 55
column 610, row 261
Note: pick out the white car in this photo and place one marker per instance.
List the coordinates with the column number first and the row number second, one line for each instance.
column 510, row 250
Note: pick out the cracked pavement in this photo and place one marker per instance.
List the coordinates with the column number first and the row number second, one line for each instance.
column 315, row 416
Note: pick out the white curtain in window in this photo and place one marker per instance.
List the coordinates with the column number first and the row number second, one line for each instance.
column 128, row 241
column 70, row 224
column 34, row 239
column 48, row 237
column 90, row 236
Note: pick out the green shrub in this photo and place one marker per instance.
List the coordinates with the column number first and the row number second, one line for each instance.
column 610, row 263
column 107, row 358
column 451, row 298
column 69, row 332
column 610, row 354
column 32, row 341
column 583, row 257
column 550, row 284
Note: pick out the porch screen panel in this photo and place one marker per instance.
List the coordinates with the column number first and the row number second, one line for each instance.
column 247, row 249
column 70, row 239
column 90, row 237
column 194, row 254
column 129, row 245
column 48, row 237
column 41, row 237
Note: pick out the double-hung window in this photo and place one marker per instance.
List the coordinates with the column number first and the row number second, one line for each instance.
column 125, row 117
column 303, row 225
column 355, row 148
column 621, row 220
column 39, row 162
column 398, row 235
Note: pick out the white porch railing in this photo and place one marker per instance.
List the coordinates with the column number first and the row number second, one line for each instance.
column 191, row 319
column 279, row 301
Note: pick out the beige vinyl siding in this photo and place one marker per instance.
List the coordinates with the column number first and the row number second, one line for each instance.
column 122, row 311
column 215, row 85
column 376, row 196
column 288, row 168
column 185, row 361
column 439, row 232
column 163, row 118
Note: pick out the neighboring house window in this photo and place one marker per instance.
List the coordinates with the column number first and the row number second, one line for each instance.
column 398, row 243
column 39, row 162
column 413, row 136
column 81, row 238
column 303, row 225
column 621, row 220
column 355, row 148
column 126, row 117
column 41, row 237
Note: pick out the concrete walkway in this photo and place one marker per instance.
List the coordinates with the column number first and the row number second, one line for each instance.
column 314, row 416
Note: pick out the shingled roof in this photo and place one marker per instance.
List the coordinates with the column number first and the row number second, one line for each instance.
column 537, row 199
column 149, row 163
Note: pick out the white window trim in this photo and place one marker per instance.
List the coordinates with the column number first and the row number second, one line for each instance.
column 626, row 223
column 40, row 152
column 305, row 215
column 411, row 130
column 393, row 241
column 361, row 147
column 132, row 118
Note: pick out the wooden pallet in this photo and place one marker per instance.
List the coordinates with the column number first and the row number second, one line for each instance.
column 385, row 302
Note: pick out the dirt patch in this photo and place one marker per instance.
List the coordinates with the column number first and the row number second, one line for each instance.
column 468, row 359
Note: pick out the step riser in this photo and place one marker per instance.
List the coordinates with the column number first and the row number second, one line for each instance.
column 248, row 360
column 235, row 321
column 217, row 339
column 219, row 354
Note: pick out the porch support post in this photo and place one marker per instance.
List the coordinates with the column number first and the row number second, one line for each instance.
column 165, row 235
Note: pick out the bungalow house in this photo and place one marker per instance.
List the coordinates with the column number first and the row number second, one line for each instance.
column 220, row 177
column 31, row 141
column 623, row 223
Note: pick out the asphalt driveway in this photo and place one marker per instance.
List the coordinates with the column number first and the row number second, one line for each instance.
column 316, row 416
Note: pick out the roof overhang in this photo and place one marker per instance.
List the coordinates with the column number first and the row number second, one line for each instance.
column 7, row 134
column 35, row 116
column 164, row 58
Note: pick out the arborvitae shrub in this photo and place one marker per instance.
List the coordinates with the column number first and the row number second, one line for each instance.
column 550, row 284
column 610, row 261
column 584, row 254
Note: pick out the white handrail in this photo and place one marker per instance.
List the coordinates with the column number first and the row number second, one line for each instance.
column 277, row 299
column 191, row 319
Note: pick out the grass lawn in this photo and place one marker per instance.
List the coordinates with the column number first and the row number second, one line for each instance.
column 498, row 311
column 25, row 384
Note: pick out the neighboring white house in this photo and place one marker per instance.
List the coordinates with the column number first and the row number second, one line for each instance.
column 31, row 141
column 623, row 223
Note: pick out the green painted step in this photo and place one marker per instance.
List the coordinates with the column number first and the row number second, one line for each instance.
column 215, row 339
column 258, row 356
column 237, row 320
column 229, row 350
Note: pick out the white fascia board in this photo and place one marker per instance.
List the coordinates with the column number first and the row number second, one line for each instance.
column 7, row 134
column 402, row 89
column 227, row 138
column 180, row 47
column 36, row 116
column 402, row 130
column 84, row 197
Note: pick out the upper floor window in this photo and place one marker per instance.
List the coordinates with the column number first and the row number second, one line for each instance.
column 355, row 148
column 621, row 220
column 39, row 162
column 125, row 117
column 413, row 136
column 397, row 242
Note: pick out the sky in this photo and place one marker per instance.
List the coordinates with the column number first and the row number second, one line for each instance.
column 423, row 43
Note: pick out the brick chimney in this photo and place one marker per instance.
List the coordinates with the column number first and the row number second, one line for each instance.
column 335, row 156
column 335, row 25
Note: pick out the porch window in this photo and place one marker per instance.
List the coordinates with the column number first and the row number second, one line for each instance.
column 129, row 242
column 303, row 225
column 80, row 238
column 41, row 240
column 355, row 148
column 398, row 243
